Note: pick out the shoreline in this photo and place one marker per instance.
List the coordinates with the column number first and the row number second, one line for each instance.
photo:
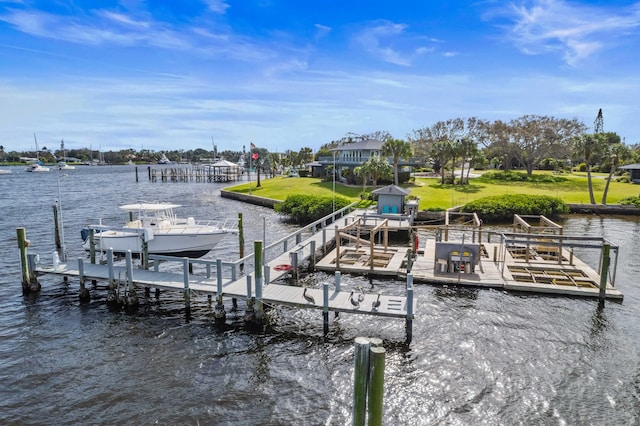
column 598, row 209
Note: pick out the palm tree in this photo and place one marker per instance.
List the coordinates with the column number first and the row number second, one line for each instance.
column 397, row 149
column 377, row 168
column 588, row 145
column 617, row 152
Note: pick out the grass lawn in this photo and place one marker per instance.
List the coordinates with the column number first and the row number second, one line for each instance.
column 434, row 195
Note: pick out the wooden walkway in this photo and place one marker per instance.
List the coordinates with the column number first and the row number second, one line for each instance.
column 239, row 286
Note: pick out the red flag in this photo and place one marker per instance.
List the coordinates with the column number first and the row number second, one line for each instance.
column 253, row 146
column 254, row 156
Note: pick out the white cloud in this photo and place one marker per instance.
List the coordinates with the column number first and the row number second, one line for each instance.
column 575, row 31
column 217, row 6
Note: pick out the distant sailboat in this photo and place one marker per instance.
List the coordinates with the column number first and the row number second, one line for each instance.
column 37, row 165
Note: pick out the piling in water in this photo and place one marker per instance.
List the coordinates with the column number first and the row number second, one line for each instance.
column 29, row 279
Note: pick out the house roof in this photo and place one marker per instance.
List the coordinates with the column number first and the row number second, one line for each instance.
column 391, row 190
column 369, row 144
column 630, row 166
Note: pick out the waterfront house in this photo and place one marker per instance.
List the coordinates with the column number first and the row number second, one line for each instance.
column 347, row 157
column 634, row 172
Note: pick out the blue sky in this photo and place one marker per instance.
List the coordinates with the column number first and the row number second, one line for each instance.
column 286, row 74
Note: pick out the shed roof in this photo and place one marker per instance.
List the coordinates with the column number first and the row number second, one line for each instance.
column 391, row 190
column 630, row 166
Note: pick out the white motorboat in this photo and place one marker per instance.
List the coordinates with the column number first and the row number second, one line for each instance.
column 62, row 165
column 164, row 233
column 36, row 167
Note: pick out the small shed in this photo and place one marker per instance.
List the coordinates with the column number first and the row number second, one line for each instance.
column 390, row 199
column 634, row 172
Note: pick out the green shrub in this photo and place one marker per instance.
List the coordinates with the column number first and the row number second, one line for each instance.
column 511, row 176
column 304, row 209
column 631, row 201
column 501, row 208
column 624, row 178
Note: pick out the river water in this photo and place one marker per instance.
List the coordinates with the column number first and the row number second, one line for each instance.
column 477, row 357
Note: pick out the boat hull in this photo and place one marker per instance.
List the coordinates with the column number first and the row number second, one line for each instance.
column 177, row 244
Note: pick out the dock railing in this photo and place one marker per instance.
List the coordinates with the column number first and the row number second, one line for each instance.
column 234, row 270
column 559, row 242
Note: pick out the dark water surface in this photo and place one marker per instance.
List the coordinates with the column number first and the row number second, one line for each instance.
column 477, row 357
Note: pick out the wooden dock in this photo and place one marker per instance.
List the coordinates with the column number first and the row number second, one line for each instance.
column 530, row 263
column 261, row 286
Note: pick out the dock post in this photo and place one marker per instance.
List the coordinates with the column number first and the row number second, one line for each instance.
column 83, row 295
column 336, row 283
column 360, row 380
column 149, row 172
column 267, row 275
column 257, row 253
column 219, row 313
column 604, row 272
column 294, row 265
column 376, row 384
column 312, row 255
column 324, row 239
column 131, row 299
column 409, row 321
column 241, row 239
column 110, row 267
column 56, row 225
column 112, row 296
column 187, row 292
column 92, row 245
column 337, row 240
column 136, row 174
column 325, row 307
column 29, row 279
column 409, row 259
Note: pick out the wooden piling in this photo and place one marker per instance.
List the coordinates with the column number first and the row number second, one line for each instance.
column 604, row 273
column 409, row 320
column 257, row 257
column 293, row 256
column 219, row 313
column 241, row 237
column 92, row 245
column 136, row 174
column 187, row 292
column 376, row 385
column 360, row 381
column 83, row 294
column 325, row 307
column 29, row 278
column 56, row 225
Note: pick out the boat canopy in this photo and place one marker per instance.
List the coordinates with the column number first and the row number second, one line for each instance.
column 149, row 207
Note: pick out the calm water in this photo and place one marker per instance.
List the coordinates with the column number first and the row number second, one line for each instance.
column 477, row 357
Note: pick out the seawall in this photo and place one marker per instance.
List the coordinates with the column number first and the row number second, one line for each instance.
column 251, row 199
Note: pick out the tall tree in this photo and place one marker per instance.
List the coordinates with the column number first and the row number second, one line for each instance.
column 539, row 137
column 587, row 145
column 397, row 149
column 616, row 153
column 376, row 167
column 441, row 152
